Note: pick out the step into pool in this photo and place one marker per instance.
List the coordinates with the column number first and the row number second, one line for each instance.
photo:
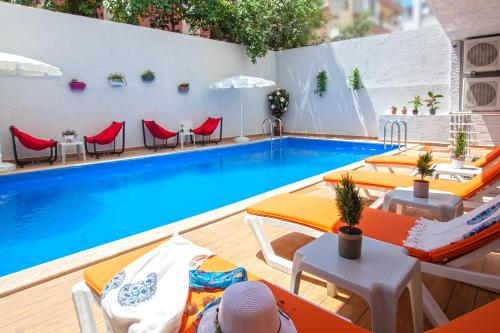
column 45, row 215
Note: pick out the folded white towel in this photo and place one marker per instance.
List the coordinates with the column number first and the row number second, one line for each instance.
column 150, row 294
column 427, row 235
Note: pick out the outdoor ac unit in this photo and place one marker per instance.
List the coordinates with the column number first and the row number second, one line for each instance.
column 482, row 54
column 481, row 94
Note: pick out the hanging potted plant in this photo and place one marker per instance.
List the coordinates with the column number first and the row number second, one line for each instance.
column 355, row 79
column 278, row 104
column 148, row 76
column 404, row 110
column 432, row 102
column 350, row 206
column 460, row 150
column 117, row 79
column 394, row 110
column 69, row 135
column 417, row 102
column 183, row 87
column 321, row 83
column 75, row 84
column 424, row 168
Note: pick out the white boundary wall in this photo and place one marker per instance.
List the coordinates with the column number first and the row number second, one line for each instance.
column 394, row 68
column 90, row 49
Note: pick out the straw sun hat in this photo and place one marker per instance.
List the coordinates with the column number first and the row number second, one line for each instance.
column 246, row 307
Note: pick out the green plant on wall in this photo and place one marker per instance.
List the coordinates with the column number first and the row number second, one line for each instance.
column 321, row 83
column 355, row 79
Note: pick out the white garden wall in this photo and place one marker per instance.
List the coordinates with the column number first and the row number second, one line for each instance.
column 90, row 49
column 394, row 68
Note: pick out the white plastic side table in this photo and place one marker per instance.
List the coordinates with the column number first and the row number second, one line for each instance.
column 64, row 149
column 184, row 135
column 444, row 204
column 462, row 173
column 380, row 276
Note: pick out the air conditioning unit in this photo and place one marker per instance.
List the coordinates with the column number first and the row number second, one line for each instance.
column 481, row 94
column 482, row 54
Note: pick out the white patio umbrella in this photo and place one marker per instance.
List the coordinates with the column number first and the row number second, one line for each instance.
column 15, row 65
column 241, row 82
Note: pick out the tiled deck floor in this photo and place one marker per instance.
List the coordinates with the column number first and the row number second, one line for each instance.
column 48, row 307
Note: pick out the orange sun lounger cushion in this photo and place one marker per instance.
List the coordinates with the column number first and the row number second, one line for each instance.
column 390, row 181
column 306, row 316
column 321, row 214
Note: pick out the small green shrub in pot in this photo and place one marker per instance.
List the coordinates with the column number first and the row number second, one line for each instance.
column 459, row 151
column 425, row 169
column 148, row 76
column 417, row 102
column 278, row 104
column 394, row 110
column 69, row 135
column 350, row 206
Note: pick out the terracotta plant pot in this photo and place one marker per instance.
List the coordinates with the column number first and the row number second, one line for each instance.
column 421, row 188
column 77, row 85
column 393, row 112
column 350, row 242
column 457, row 163
column 404, row 111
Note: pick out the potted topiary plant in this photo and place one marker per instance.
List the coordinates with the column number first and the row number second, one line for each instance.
column 75, row 84
column 355, row 79
column 404, row 110
column 183, row 87
column 321, row 83
column 148, row 76
column 69, row 135
column 350, row 206
column 460, row 150
column 417, row 102
column 424, row 168
column 432, row 102
column 394, row 110
column 278, row 104
column 117, row 79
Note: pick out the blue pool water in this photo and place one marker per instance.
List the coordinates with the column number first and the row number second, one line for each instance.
column 50, row 214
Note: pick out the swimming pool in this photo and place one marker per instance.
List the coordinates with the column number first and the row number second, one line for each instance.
column 50, row 214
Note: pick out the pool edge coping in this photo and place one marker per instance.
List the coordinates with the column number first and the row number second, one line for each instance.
column 30, row 277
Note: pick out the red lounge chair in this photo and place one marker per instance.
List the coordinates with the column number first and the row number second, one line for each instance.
column 106, row 137
column 32, row 143
column 158, row 132
column 208, row 128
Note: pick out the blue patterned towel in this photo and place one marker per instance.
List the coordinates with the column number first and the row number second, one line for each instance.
column 202, row 280
column 482, row 226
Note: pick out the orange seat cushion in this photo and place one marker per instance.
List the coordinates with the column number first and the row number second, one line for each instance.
column 322, row 214
column 483, row 319
column 306, row 316
column 488, row 158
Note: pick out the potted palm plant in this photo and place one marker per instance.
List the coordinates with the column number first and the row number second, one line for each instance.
column 69, row 135
column 460, row 150
column 432, row 102
column 417, row 102
column 424, row 168
column 350, row 206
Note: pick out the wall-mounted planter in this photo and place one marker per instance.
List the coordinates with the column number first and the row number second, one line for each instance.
column 148, row 76
column 183, row 88
column 77, row 85
column 117, row 83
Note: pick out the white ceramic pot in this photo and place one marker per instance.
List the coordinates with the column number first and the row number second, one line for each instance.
column 421, row 188
column 69, row 138
column 117, row 83
column 457, row 163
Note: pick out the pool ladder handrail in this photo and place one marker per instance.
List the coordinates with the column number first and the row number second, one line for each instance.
column 397, row 123
column 271, row 130
column 279, row 124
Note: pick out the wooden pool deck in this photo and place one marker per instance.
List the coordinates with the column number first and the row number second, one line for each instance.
column 48, row 307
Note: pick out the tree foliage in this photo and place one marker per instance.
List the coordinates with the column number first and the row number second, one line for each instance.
column 259, row 25
column 360, row 27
